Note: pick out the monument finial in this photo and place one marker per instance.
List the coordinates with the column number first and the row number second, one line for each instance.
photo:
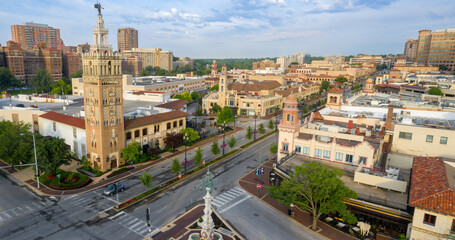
column 98, row 6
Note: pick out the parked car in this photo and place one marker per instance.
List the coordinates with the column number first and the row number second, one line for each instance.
column 114, row 189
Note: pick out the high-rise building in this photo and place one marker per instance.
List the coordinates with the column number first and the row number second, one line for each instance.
column 436, row 48
column 283, row 61
column 132, row 65
column 103, row 101
column 126, row 39
column 31, row 33
column 24, row 63
column 154, row 57
column 72, row 62
column 410, row 49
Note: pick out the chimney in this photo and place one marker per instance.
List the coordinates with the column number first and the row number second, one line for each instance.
column 350, row 125
column 388, row 123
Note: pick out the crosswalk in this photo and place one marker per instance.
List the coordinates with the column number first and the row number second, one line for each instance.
column 88, row 202
column 227, row 197
column 133, row 223
column 23, row 209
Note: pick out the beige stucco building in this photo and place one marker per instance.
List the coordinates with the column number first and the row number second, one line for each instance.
column 154, row 57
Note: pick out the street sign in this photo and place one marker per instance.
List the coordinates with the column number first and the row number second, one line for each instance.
column 258, row 186
column 262, row 170
column 258, row 172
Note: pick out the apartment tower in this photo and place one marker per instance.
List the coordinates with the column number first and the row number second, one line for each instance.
column 31, row 33
column 436, row 48
column 103, row 101
column 126, row 39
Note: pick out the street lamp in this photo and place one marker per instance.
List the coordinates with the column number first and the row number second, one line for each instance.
column 276, row 117
column 185, row 140
column 224, row 138
column 255, row 131
column 36, row 161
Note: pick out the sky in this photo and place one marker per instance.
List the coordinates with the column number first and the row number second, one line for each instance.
column 241, row 28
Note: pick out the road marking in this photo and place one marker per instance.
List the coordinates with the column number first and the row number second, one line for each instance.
column 117, row 215
column 235, row 204
column 28, row 207
column 72, row 196
column 216, row 204
column 224, row 198
column 137, row 224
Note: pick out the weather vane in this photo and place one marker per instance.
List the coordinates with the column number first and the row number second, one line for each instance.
column 208, row 183
column 98, row 6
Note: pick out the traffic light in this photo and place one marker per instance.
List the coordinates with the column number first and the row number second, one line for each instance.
column 147, row 217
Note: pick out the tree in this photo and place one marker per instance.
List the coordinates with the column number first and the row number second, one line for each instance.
column 144, row 72
column 173, row 140
column 249, row 133
column 315, row 188
column 435, row 91
column 190, row 134
column 225, row 116
column 274, row 149
column 61, row 84
column 214, row 88
column 215, row 148
column 341, row 79
column 185, row 96
column 16, row 142
column 381, row 67
column 147, row 179
column 443, row 67
column 194, row 95
column 261, row 128
column 325, row 85
column 131, row 152
column 271, row 125
column 199, row 112
column 52, row 153
column 216, row 108
column 77, row 74
column 232, row 141
column 198, row 157
column 42, row 81
column 175, row 168
column 7, row 79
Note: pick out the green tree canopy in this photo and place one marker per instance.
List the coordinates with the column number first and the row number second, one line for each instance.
column 198, row 156
column 199, row 112
column 214, row 88
column 315, row 188
column 261, row 128
column 52, row 153
column 61, row 84
column 435, row 91
column 270, row 125
column 7, row 79
column 42, row 81
column 175, row 167
column 232, row 141
column 381, row 67
column 215, row 148
column 341, row 79
column 77, row 74
column 443, row 67
column 216, row 108
column 225, row 116
column 325, row 85
column 147, row 179
column 190, row 134
column 132, row 152
column 185, row 96
column 194, row 95
column 274, row 149
column 16, row 143
column 249, row 133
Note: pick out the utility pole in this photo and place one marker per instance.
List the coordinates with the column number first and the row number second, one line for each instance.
column 36, row 162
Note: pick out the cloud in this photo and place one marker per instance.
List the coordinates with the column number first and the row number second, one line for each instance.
column 268, row 2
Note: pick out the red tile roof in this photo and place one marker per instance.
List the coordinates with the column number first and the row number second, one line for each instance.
column 335, row 90
column 430, row 187
column 174, row 105
column 156, row 118
column 252, row 85
column 65, row 119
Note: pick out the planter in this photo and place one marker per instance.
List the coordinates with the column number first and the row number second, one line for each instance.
column 85, row 183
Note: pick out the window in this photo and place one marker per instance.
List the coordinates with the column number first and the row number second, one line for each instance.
column 405, row 135
column 349, row 158
column 326, row 154
column 362, row 160
column 168, row 125
column 306, row 150
column 136, row 133
column 181, row 123
column 128, row 136
column 157, row 128
column 317, row 152
column 339, row 156
column 430, row 138
column 54, row 126
column 297, row 149
column 452, row 229
column 443, row 140
column 429, row 219
column 74, row 132
column 175, row 124
column 288, row 117
column 144, row 132
column 285, row 147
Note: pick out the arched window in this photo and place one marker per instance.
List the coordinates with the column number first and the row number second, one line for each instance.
column 288, row 117
column 292, row 118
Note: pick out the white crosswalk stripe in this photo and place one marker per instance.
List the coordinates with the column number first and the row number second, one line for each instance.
column 132, row 223
column 227, row 197
column 26, row 208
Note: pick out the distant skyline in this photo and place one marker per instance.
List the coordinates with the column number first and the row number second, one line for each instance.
column 242, row 28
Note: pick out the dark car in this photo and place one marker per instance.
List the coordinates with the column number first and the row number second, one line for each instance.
column 114, row 189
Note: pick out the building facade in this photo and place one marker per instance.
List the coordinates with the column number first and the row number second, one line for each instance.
column 31, row 33
column 410, row 49
column 127, row 38
column 154, row 57
column 436, row 48
column 72, row 62
column 132, row 65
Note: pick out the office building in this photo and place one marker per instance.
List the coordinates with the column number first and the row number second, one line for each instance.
column 436, row 48
column 410, row 50
column 30, row 33
column 154, row 57
column 126, row 39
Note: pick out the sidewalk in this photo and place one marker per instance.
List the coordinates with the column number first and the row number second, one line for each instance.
column 303, row 218
column 27, row 177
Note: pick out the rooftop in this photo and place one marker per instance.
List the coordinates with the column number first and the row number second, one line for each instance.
column 250, row 85
column 65, row 119
column 174, row 105
column 156, row 118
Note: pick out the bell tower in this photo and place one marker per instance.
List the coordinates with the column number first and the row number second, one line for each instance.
column 103, row 101
column 288, row 128
column 222, row 87
column 214, row 68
